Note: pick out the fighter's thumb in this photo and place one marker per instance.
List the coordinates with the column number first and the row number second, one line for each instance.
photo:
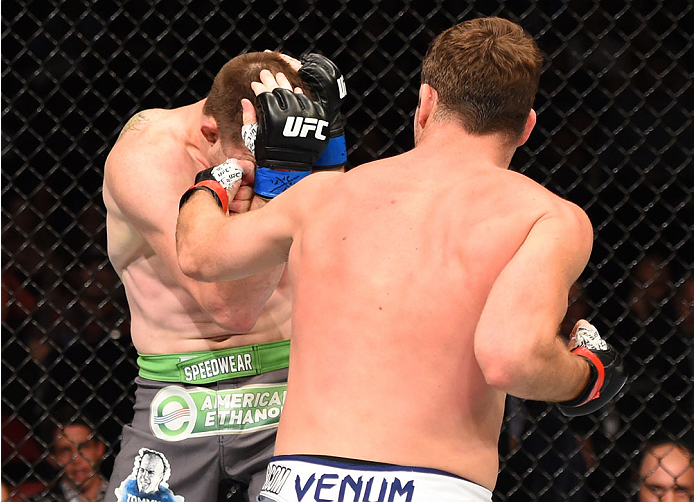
column 248, row 112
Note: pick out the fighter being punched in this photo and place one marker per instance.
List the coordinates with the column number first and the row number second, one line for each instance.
column 213, row 356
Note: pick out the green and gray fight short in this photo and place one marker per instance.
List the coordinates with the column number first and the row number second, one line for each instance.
column 204, row 423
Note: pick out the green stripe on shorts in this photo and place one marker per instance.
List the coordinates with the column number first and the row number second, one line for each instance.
column 197, row 368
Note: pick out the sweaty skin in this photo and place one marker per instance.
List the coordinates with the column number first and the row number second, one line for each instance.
column 151, row 165
column 427, row 286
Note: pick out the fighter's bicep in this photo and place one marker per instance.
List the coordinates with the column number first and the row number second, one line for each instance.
column 545, row 266
column 529, row 297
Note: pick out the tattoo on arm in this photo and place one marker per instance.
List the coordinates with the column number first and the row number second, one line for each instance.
column 136, row 120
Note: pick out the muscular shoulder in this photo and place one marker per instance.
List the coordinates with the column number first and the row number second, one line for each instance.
column 571, row 224
column 147, row 133
column 148, row 143
column 563, row 223
column 545, row 214
column 311, row 192
column 142, row 170
column 537, row 196
column 141, row 120
column 572, row 217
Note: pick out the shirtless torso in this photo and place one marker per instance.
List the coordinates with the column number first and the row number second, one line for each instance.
column 223, row 342
column 153, row 162
column 419, row 303
column 439, row 248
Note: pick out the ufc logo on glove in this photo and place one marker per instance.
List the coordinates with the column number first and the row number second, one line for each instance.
column 292, row 133
column 300, row 126
column 341, row 87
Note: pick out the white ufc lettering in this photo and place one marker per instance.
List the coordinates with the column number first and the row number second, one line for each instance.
column 341, row 87
column 300, row 126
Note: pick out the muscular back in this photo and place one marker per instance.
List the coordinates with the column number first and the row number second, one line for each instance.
column 404, row 272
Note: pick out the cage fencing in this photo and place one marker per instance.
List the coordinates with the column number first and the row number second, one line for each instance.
column 614, row 135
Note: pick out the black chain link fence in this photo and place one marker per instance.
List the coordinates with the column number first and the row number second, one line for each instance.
column 614, row 135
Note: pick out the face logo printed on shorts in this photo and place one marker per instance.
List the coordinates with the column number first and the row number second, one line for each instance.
column 177, row 413
column 172, row 414
column 149, row 480
column 276, row 477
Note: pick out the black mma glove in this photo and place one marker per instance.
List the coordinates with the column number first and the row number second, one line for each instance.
column 216, row 180
column 328, row 86
column 292, row 132
column 607, row 373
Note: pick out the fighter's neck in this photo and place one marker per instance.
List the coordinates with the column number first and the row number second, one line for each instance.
column 191, row 117
column 452, row 141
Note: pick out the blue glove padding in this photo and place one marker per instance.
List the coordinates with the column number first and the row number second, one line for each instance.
column 334, row 155
column 270, row 183
column 328, row 85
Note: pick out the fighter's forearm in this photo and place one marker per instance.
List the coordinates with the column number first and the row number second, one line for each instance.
column 207, row 257
column 197, row 242
column 549, row 373
column 581, row 380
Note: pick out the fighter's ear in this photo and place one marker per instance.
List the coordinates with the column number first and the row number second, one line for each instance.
column 209, row 130
column 529, row 124
column 428, row 97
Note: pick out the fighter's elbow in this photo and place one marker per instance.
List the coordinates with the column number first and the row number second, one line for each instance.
column 190, row 262
column 501, row 370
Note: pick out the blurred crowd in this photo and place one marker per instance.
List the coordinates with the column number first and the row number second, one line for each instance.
column 609, row 137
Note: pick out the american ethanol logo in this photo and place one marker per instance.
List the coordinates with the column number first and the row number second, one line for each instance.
column 177, row 413
column 173, row 414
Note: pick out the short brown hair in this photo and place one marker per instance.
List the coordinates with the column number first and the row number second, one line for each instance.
column 486, row 73
column 233, row 82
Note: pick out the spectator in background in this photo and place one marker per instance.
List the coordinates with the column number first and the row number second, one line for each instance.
column 652, row 281
column 654, row 354
column 5, row 494
column 666, row 473
column 657, row 399
column 684, row 306
column 684, row 309
column 92, row 360
column 547, row 459
column 77, row 451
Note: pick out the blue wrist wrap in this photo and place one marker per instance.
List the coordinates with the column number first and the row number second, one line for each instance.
column 270, row 182
column 335, row 154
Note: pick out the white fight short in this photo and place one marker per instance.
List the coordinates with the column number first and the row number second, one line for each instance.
column 300, row 478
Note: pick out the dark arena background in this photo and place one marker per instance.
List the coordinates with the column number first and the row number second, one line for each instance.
column 614, row 135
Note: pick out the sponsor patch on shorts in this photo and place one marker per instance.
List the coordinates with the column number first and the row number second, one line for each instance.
column 302, row 478
column 149, row 480
column 177, row 413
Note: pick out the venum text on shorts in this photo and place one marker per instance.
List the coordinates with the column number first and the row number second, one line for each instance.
column 277, row 476
column 349, row 489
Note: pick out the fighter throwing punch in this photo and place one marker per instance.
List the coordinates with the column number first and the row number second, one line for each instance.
column 213, row 356
column 426, row 287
